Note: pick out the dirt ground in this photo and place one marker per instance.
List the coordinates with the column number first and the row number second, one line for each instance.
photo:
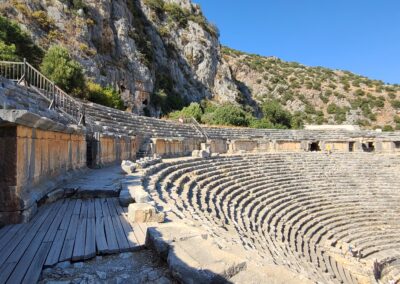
column 132, row 267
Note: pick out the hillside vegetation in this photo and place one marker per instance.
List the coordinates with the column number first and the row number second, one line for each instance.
column 317, row 95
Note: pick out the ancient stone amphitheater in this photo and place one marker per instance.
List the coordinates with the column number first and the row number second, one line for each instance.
column 232, row 204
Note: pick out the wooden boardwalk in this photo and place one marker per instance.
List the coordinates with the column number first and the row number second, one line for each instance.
column 70, row 229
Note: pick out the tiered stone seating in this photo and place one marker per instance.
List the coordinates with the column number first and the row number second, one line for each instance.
column 119, row 122
column 295, row 135
column 301, row 210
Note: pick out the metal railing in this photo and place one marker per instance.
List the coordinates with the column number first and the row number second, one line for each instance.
column 199, row 128
column 29, row 76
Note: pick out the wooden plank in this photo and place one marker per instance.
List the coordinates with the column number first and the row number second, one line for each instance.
column 119, row 231
column 57, row 244
column 18, row 245
column 91, row 210
column 14, row 230
column 5, row 271
column 4, row 230
column 98, row 209
column 101, row 240
column 51, row 234
column 68, row 246
column 90, row 242
column 79, row 245
column 104, row 206
column 77, row 208
column 130, row 236
column 27, row 249
column 110, row 235
column 139, row 234
column 35, row 269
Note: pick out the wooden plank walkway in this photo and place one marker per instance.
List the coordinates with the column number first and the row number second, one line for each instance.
column 70, row 229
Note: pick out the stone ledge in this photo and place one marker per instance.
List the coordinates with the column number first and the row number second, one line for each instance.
column 192, row 256
column 29, row 119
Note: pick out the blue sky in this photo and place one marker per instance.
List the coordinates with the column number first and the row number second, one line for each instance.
column 362, row 36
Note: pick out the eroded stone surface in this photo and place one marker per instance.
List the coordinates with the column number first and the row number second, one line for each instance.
column 144, row 213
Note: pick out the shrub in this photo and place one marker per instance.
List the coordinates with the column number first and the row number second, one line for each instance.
column 193, row 110
column 63, row 70
column 177, row 14
column 43, row 20
column 395, row 103
column 359, row 93
column 156, row 5
column 8, row 52
column 227, row 114
column 274, row 113
column 387, row 128
column 331, row 109
column 12, row 37
column 104, row 96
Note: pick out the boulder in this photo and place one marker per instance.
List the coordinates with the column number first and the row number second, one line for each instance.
column 144, row 213
column 197, row 260
column 128, row 167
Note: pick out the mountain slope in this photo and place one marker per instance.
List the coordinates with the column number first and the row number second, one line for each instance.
column 143, row 48
column 321, row 95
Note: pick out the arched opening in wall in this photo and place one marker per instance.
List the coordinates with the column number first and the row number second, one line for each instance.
column 368, row 147
column 145, row 102
column 314, row 147
column 397, row 145
column 351, row 146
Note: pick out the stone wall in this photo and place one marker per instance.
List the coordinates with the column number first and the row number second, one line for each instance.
column 172, row 147
column 32, row 160
column 109, row 149
column 218, row 146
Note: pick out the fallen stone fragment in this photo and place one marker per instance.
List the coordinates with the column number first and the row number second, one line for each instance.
column 144, row 213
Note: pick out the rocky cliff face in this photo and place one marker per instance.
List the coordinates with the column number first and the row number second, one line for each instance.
column 138, row 46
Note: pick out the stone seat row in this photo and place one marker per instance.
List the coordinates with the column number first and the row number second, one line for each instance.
column 199, row 199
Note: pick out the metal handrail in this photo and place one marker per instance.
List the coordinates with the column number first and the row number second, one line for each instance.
column 23, row 72
column 199, row 128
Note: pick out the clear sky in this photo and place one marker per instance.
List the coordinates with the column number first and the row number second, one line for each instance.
column 362, row 36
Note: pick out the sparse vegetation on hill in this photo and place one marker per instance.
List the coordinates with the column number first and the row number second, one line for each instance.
column 16, row 44
column 316, row 94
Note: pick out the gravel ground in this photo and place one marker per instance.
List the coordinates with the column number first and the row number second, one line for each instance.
column 132, row 267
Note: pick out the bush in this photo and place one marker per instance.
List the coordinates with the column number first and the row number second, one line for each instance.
column 104, row 96
column 156, row 5
column 387, row 128
column 43, row 20
column 16, row 44
column 8, row 52
column 395, row 104
column 63, row 70
column 274, row 113
column 193, row 110
column 331, row 109
column 227, row 114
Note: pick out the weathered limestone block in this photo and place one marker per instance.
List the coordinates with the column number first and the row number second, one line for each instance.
column 144, row 213
column 195, row 153
column 204, row 154
column 162, row 237
column 197, row 260
column 133, row 191
column 128, row 167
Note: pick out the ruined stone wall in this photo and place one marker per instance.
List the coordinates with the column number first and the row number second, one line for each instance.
column 30, row 159
column 335, row 146
column 107, row 150
column 288, row 146
column 172, row 147
column 218, row 146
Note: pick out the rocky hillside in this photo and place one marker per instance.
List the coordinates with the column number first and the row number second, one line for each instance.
column 162, row 54
column 144, row 48
column 319, row 95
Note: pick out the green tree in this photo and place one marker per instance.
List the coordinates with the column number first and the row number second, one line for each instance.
column 16, row 44
column 63, row 70
column 105, row 96
column 274, row 113
column 227, row 114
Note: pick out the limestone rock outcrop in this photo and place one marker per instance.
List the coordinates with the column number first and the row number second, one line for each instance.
column 134, row 48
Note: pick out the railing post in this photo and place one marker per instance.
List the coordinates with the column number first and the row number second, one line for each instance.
column 24, row 73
